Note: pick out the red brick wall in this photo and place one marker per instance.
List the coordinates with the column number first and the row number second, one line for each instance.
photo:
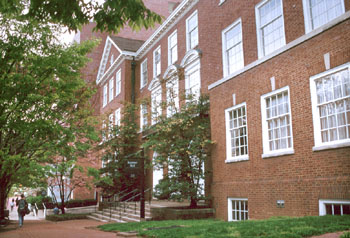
column 300, row 179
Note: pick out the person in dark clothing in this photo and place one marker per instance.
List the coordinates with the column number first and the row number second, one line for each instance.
column 22, row 210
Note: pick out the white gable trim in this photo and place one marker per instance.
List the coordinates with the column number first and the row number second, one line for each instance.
column 184, row 7
column 172, row 69
column 154, row 84
column 190, row 56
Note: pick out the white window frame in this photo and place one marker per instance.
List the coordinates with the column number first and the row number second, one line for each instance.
column 111, row 89
column 156, row 107
column 104, row 131
column 118, row 82
column 230, row 208
column 144, row 74
column 323, row 202
column 265, row 135
column 307, row 15
column 229, row 157
column 117, row 117
column 224, row 47
column 105, row 95
column 172, row 89
column 143, row 116
column 155, row 67
column 319, row 145
column 188, row 38
column 261, row 52
column 171, row 47
column 189, row 70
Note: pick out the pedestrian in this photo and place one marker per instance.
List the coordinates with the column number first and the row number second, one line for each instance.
column 22, row 209
column 56, row 211
column 12, row 204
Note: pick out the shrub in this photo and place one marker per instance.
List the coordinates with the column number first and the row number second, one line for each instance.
column 66, row 217
column 39, row 200
column 345, row 235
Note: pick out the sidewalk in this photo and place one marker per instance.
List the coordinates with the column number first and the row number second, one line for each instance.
column 65, row 229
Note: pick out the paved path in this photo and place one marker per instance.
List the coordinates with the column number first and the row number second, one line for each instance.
column 64, row 229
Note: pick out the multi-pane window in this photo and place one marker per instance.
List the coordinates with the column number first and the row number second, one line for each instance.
column 117, row 117
column 144, row 74
column 105, row 95
column 172, row 96
column 103, row 131
column 118, row 83
column 236, row 133
column 192, row 31
column 232, row 48
column 156, row 62
column 237, row 209
column 192, row 80
column 156, row 101
column 277, row 122
column 111, row 89
column 320, row 12
column 172, row 48
column 334, row 207
column 330, row 94
column 143, row 116
column 270, row 26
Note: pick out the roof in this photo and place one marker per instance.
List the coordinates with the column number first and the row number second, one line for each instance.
column 127, row 44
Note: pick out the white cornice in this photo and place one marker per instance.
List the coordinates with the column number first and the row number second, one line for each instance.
column 184, row 7
column 111, row 69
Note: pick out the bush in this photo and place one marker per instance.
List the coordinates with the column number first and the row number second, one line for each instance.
column 66, row 217
column 345, row 235
column 39, row 200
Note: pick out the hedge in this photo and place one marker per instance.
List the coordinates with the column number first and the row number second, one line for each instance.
column 66, row 217
column 70, row 204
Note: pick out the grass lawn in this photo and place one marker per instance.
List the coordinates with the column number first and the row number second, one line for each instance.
column 274, row 227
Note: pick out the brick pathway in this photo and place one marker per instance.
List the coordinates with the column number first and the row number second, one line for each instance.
column 47, row 229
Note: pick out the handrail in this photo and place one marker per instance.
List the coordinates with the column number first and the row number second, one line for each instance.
column 128, row 194
column 139, row 194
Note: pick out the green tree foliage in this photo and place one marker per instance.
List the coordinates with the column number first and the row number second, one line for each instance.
column 110, row 16
column 120, row 147
column 44, row 103
column 182, row 142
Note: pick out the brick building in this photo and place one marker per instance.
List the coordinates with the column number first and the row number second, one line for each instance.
column 277, row 73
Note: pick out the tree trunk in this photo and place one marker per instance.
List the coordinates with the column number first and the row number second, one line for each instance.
column 3, row 194
column 193, row 203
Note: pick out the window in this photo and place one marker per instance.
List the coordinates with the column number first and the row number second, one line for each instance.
column 117, row 117
column 270, row 26
column 156, row 98
column 105, row 95
column 172, row 96
column 192, row 31
column 144, row 74
column 172, row 48
column 110, row 126
column 334, row 207
column 192, row 80
column 320, row 12
column 156, row 62
column 232, row 48
column 118, row 82
column 330, row 97
column 237, row 209
column 111, row 89
column 277, row 123
column 236, row 133
column 143, row 116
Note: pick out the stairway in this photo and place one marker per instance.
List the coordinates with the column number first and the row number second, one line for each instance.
column 126, row 212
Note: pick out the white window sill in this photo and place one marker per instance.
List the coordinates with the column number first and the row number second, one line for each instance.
column 221, row 2
column 277, row 153
column 331, row 146
column 237, row 159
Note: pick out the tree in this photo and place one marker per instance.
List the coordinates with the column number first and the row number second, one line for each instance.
column 182, row 142
column 43, row 99
column 120, row 148
column 110, row 16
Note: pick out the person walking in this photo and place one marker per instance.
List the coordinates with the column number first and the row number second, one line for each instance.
column 12, row 204
column 22, row 210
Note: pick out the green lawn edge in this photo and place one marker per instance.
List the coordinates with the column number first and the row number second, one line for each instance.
column 274, row 227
